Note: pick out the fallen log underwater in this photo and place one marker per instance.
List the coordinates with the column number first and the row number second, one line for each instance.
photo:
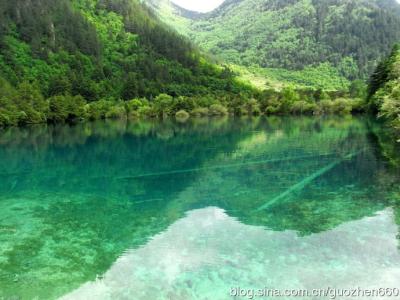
column 302, row 184
column 227, row 166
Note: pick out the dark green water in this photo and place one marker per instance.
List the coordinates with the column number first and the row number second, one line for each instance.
column 162, row 210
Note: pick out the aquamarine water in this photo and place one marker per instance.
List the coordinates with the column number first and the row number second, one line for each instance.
column 165, row 210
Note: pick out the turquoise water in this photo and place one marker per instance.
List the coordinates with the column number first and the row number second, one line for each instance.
column 166, row 210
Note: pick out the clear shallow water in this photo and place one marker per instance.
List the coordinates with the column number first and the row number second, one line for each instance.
column 150, row 210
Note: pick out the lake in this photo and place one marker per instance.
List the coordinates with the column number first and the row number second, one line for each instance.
column 197, row 210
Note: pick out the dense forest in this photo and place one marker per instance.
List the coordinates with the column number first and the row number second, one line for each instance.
column 332, row 41
column 93, row 59
column 384, row 89
column 62, row 59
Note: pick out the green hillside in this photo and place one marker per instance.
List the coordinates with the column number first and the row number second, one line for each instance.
column 68, row 60
column 384, row 89
column 105, row 50
column 344, row 38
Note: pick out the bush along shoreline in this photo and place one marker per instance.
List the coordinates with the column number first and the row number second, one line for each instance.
column 384, row 91
column 26, row 105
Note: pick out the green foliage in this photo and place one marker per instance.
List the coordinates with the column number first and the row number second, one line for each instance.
column 66, row 108
column 135, row 104
column 288, row 98
column 200, row 112
column 184, row 104
column 218, row 110
column 4, row 119
column 341, row 38
column 384, row 89
column 116, row 111
column 324, row 76
column 273, row 107
column 320, row 95
column 59, row 85
column 8, row 110
column 137, row 107
column 31, row 104
column 383, row 72
column 99, row 109
column 147, row 111
column 251, row 107
column 163, row 104
column 303, row 107
column 64, row 61
column 342, row 106
column 182, row 115
column 358, row 89
column 103, row 49
column 390, row 108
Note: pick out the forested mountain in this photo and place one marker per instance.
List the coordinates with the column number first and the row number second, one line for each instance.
column 93, row 45
column 384, row 89
column 98, row 50
column 349, row 35
column 65, row 60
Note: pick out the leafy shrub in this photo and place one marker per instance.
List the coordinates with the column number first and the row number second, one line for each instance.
column 251, row 107
column 324, row 107
column 147, row 111
column 241, row 111
column 390, row 107
column 200, row 112
column 134, row 105
column 98, row 110
column 134, row 114
column 205, row 101
column 302, row 107
column 288, row 97
column 59, row 108
column 358, row 105
column 10, row 113
column 116, row 111
column 183, row 103
column 182, row 115
column 337, row 106
column 273, row 106
column 66, row 108
column 163, row 104
column 358, row 89
column 341, row 106
column 30, row 101
column 218, row 110
column 320, row 95
column 4, row 119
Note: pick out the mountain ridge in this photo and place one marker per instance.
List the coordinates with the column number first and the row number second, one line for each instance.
column 117, row 42
column 350, row 35
column 71, row 59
